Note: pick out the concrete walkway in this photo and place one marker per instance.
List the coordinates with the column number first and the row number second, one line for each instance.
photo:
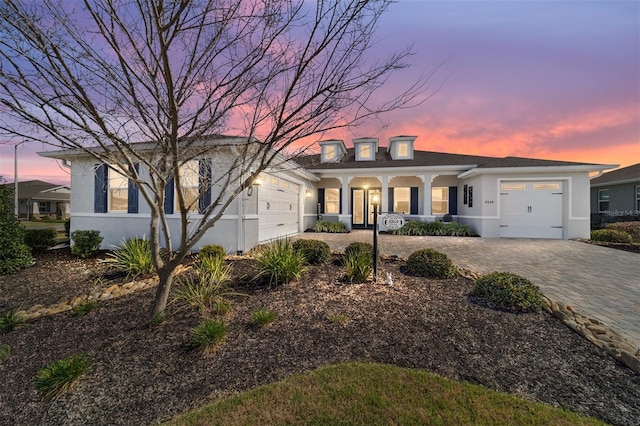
column 598, row 282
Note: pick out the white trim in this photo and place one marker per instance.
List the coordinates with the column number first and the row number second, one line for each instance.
column 536, row 169
column 616, row 182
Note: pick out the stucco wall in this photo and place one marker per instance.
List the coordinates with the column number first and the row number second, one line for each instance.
column 621, row 197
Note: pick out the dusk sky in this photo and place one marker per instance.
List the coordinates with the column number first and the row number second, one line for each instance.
column 544, row 79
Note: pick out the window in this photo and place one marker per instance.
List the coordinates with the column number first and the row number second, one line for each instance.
column 118, row 190
column 364, row 151
column 402, row 200
column 603, row 200
column 509, row 186
column 439, row 200
column 329, row 153
column 189, row 179
column 546, row 186
column 332, row 200
column 638, row 197
column 44, row 206
column 403, row 150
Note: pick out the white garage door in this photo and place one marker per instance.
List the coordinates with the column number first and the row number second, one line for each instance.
column 277, row 208
column 531, row 209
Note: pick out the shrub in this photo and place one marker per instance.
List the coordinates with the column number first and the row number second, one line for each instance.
column 416, row 227
column 39, row 240
column 509, row 291
column 315, row 252
column 214, row 250
column 358, row 247
column 279, row 262
column 430, row 263
column 263, row 317
column 631, row 228
column 611, row 236
column 133, row 257
column 9, row 321
column 208, row 288
column 60, row 375
column 332, row 227
column 14, row 253
column 358, row 265
column 86, row 243
column 208, row 334
column 84, row 308
column 158, row 318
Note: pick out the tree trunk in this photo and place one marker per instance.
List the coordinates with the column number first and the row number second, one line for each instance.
column 164, row 287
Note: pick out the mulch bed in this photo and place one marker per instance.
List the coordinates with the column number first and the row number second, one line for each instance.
column 141, row 374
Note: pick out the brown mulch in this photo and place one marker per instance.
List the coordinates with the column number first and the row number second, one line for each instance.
column 141, row 374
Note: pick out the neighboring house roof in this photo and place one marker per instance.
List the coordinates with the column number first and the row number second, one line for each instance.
column 438, row 159
column 41, row 190
column 627, row 174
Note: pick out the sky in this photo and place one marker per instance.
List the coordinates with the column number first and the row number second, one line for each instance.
column 555, row 80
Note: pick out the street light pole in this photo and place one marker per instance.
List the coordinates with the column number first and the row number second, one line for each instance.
column 15, row 180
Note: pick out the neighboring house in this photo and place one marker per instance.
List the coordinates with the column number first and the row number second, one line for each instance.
column 617, row 192
column 496, row 197
column 38, row 199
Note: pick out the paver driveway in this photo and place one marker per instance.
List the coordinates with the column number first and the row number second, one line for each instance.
column 600, row 282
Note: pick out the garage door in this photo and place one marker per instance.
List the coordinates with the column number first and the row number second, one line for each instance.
column 277, row 208
column 531, row 209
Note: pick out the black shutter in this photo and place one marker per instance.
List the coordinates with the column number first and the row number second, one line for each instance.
column 390, row 204
column 321, row 200
column 101, row 180
column 414, row 200
column 132, row 193
column 168, row 197
column 340, row 195
column 204, row 182
column 453, row 200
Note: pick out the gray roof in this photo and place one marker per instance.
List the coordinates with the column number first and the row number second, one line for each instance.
column 39, row 190
column 625, row 174
column 428, row 158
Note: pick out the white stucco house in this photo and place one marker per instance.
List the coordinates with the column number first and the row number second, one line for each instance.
column 496, row 197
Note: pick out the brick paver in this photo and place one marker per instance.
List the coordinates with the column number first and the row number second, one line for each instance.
column 599, row 282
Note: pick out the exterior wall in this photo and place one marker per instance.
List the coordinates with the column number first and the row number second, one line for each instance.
column 622, row 197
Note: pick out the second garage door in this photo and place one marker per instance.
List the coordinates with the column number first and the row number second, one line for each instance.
column 531, row 209
column 277, row 208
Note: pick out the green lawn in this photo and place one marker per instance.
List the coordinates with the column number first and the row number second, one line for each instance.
column 368, row 394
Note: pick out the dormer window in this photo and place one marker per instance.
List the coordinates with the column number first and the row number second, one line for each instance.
column 401, row 147
column 366, row 149
column 332, row 151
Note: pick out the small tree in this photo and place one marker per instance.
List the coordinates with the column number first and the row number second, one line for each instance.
column 14, row 253
column 142, row 87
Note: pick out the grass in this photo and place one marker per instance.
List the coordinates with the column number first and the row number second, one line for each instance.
column 208, row 334
column 9, row 321
column 366, row 394
column 263, row 317
column 279, row 262
column 133, row 257
column 60, row 375
column 84, row 308
column 5, row 350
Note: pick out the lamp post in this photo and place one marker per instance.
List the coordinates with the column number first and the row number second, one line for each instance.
column 375, row 202
column 15, row 179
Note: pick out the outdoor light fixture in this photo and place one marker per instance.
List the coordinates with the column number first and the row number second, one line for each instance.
column 307, row 193
column 375, row 202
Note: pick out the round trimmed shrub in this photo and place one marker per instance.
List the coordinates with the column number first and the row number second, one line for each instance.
column 39, row 240
column 509, row 291
column 611, row 236
column 212, row 250
column 358, row 247
column 430, row 263
column 315, row 252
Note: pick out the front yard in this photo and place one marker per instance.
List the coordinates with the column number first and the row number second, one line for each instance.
column 141, row 374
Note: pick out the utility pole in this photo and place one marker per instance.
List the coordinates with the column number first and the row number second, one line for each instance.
column 15, row 179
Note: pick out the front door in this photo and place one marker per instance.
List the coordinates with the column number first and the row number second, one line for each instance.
column 361, row 208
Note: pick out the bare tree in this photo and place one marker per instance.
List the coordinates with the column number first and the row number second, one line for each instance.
column 148, row 82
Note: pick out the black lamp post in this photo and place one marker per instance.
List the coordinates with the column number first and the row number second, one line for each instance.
column 375, row 202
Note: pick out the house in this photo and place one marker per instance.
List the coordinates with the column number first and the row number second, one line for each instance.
column 617, row 192
column 496, row 197
column 38, row 199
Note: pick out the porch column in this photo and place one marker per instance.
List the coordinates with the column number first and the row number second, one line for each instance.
column 35, row 210
column 384, row 196
column 344, row 180
column 426, row 196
